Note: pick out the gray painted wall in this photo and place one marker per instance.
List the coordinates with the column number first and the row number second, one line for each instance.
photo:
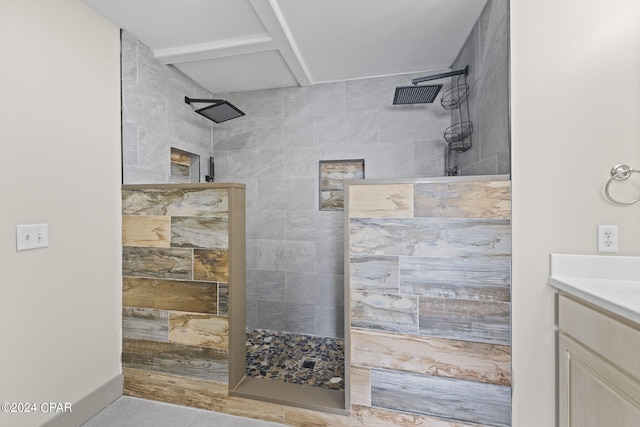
column 486, row 53
column 155, row 117
column 295, row 252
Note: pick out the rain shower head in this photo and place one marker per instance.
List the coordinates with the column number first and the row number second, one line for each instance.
column 424, row 94
column 220, row 110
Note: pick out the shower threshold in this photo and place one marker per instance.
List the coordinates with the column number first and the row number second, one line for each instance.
column 297, row 395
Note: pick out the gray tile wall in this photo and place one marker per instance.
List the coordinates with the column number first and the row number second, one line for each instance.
column 486, row 52
column 155, row 117
column 295, row 251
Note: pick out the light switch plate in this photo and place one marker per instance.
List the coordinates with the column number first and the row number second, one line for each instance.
column 32, row 236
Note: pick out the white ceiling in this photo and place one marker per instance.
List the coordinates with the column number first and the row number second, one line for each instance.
column 238, row 45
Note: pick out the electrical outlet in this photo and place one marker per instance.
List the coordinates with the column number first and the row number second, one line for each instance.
column 607, row 238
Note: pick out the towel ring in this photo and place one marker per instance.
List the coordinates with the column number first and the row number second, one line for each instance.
column 620, row 173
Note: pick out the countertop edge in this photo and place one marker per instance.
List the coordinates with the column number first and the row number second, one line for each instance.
column 563, row 284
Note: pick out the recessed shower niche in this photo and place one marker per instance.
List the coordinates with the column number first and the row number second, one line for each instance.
column 333, row 173
column 185, row 167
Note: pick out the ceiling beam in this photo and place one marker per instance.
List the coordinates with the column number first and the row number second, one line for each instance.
column 216, row 49
column 278, row 38
column 269, row 13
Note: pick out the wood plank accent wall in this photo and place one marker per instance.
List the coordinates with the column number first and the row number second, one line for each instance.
column 430, row 289
column 179, row 263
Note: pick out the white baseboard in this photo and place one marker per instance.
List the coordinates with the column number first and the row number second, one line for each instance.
column 87, row 407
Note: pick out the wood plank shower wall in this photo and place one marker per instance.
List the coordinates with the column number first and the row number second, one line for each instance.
column 429, row 289
column 430, row 286
column 182, row 262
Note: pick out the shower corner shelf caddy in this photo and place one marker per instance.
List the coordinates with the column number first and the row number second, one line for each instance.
column 458, row 135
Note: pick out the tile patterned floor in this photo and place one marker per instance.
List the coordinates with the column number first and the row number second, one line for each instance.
column 298, row 359
column 132, row 412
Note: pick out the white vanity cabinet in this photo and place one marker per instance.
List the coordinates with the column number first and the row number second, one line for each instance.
column 598, row 366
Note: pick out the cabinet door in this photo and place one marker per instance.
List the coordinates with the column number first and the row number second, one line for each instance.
column 592, row 391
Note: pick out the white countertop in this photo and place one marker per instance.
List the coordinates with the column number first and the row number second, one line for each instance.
column 609, row 282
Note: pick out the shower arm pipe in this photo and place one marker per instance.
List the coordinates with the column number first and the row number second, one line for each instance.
column 188, row 100
column 464, row 71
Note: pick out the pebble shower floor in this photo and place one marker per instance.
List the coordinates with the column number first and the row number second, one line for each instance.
column 298, row 359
